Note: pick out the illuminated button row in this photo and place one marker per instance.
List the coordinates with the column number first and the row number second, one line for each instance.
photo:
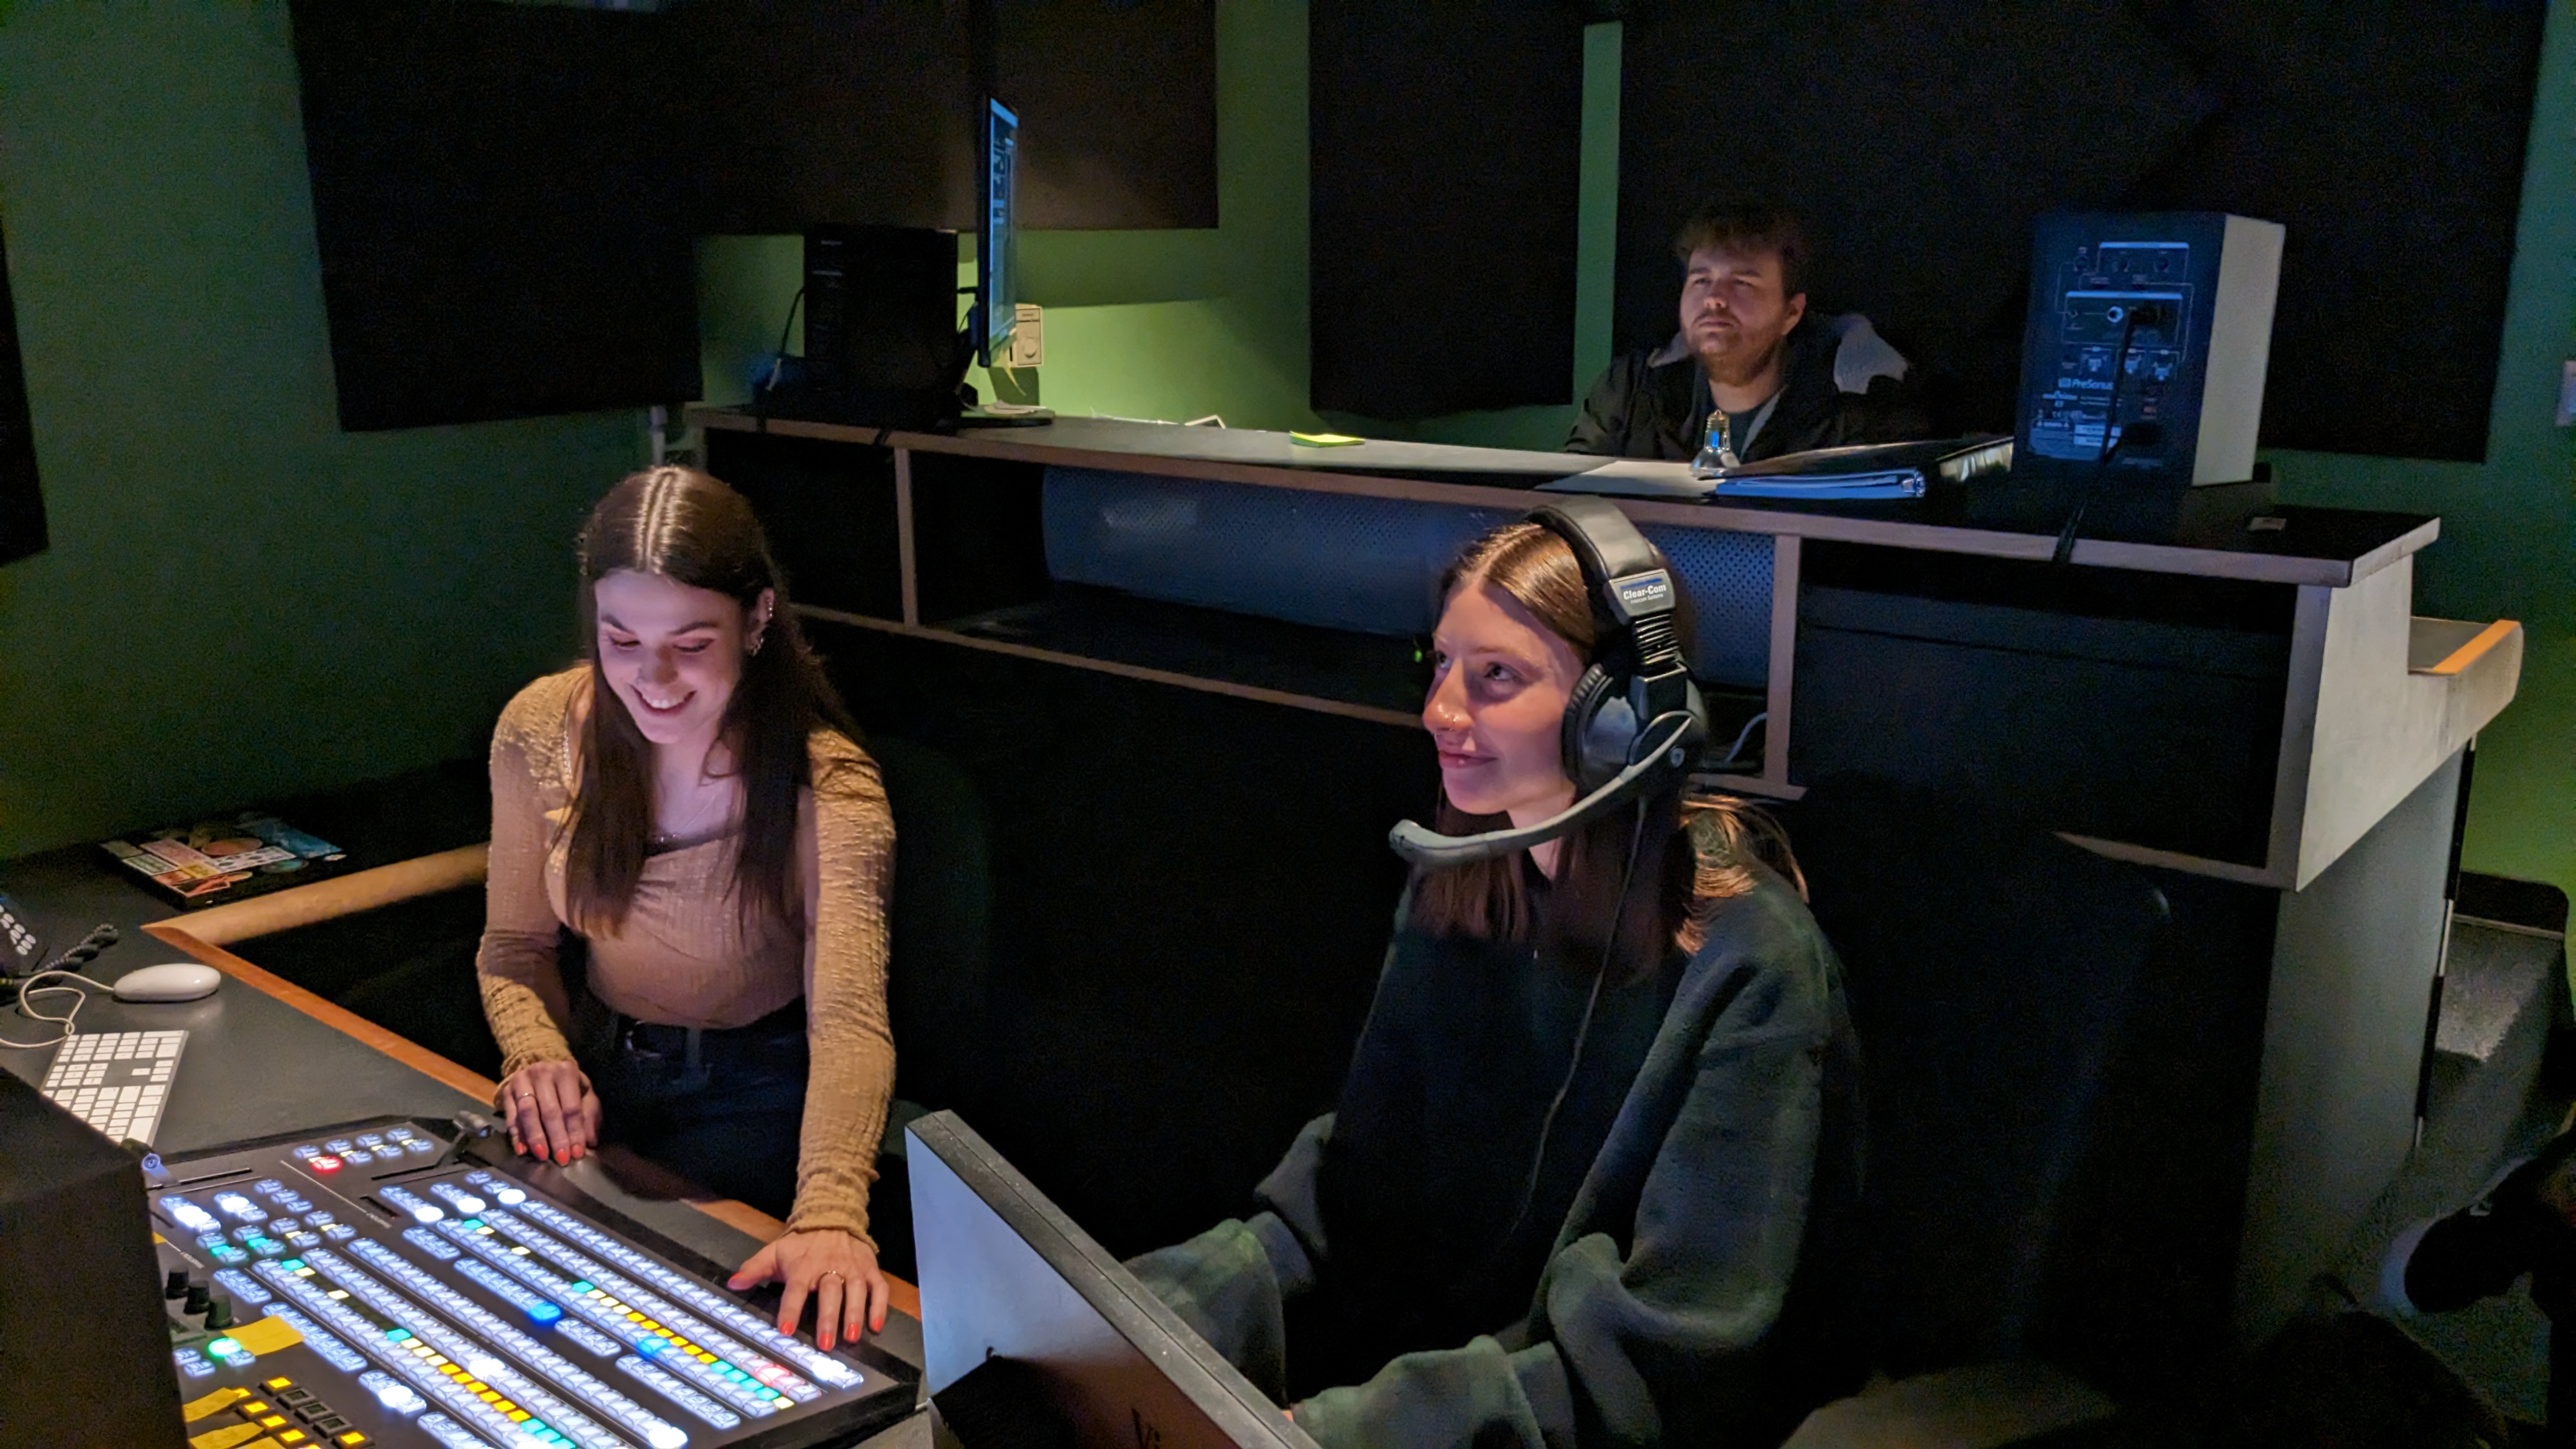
column 319, row 1339
column 776, row 1377
column 427, row 1371
column 238, row 1207
column 542, row 1311
column 711, row 1373
column 464, row 1310
column 457, row 1197
column 397, row 1397
column 495, row 1378
column 190, row 1216
column 430, row 1243
column 242, row 1286
column 221, row 1251
column 658, row 1329
column 421, row 1209
column 451, row 1434
column 192, row 1363
column 724, row 1310
column 501, row 1189
column 677, row 1392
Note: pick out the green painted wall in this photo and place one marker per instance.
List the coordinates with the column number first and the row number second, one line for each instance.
column 2508, row 546
column 240, row 600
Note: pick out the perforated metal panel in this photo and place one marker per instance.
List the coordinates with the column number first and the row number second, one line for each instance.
column 1728, row 578
column 1371, row 565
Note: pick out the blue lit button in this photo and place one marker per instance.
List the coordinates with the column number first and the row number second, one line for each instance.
column 354, row 1155
column 340, row 1145
column 650, row 1346
column 399, row 1134
column 371, row 1139
column 268, row 1186
column 339, row 1232
column 543, row 1313
column 423, row 1148
column 307, row 1150
column 227, row 1253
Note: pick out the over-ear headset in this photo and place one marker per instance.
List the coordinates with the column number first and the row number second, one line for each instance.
column 1635, row 719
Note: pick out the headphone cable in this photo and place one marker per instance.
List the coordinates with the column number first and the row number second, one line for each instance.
column 1582, row 1032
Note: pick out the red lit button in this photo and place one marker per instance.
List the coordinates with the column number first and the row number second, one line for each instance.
column 324, row 1163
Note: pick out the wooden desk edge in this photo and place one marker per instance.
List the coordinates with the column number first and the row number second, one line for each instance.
column 325, row 900
column 742, row 1217
column 2459, row 660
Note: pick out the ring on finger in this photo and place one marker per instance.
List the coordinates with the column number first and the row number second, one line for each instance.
column 829, row 1273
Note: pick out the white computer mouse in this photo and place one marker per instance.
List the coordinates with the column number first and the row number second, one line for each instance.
column 176, row 981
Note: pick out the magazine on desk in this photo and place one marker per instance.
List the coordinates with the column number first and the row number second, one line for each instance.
column 211, row 862
column 1872, row 471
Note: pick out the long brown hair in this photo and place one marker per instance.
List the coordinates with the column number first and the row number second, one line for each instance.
column 689, row 528
column 1691, row 852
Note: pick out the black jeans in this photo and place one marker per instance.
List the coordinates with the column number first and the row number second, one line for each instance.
column 721, row 1107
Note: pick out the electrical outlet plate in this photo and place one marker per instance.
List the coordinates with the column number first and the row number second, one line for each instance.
column 1028, row 335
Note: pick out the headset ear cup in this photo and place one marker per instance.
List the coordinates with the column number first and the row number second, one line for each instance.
column 1577, row 740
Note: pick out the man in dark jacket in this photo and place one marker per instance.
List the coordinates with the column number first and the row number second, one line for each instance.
column 1749, row 359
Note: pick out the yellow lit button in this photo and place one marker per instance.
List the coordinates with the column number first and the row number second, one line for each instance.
column 293, row 1436
column 351, row 1440
column 228, row 1437
column 277, row 1385
column 272, row 1421
column 253, row 1408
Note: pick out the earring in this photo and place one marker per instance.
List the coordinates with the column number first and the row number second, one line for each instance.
column 757, row 641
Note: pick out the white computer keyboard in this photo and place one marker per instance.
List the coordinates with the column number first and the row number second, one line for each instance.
column 116, row 1081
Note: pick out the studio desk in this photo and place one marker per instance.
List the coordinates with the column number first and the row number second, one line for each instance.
column 2234, row 695
column 265, row 1058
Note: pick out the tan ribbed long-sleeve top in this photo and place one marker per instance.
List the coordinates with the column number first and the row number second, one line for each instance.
column 681, row 957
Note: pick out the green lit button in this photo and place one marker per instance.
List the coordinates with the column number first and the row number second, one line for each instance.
column 223, row 1348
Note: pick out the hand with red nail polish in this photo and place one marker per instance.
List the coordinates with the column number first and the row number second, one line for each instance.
column 552, row 1112
column 836, row 1269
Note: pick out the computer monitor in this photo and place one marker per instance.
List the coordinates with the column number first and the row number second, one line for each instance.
column 997, row 262
column 1032, row 1328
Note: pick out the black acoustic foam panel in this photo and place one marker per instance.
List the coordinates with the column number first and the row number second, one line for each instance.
column 1446, row 144
column 2388, row 136
column 1117, row 108
column 1919, row 138
column 813, row 113
column 1923, row 138
column 500, row 229
column 22, row 507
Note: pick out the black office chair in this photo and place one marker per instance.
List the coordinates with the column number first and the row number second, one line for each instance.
column 1994, row 971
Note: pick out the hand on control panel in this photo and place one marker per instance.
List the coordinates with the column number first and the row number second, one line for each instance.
column 552, row 1112
column 838, row 1269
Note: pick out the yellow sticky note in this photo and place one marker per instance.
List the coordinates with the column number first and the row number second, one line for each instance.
column 214, row 1403
column 1326, row 440
column 227, row 1437
column 265, row 1335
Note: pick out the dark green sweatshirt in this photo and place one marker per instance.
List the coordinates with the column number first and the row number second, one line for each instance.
column 1673, row 1278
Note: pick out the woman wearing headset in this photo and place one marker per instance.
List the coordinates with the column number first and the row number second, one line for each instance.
column 690, row 810
column 1587, row 1165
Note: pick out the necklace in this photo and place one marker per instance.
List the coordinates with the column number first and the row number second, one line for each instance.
column 712, row 806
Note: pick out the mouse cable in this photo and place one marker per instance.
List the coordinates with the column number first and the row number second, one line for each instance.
column 27, row 1009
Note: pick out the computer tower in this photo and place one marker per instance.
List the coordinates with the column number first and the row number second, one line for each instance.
column 84, row 1343
column 882, row 344
column 2190, row 294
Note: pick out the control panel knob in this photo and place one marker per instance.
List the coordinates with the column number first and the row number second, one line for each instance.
column 219, row 1314
column 176, row 1285
column 199, row 1295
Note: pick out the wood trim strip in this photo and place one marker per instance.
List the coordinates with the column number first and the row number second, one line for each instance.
column 904, row 555
column 742, row 1217
column 2458, row 660
column 1320, row 705
column 1785, row 554
column 1934, row 538
column 345, row 895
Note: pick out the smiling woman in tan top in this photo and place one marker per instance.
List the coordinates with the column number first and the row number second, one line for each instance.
column 690, row 810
